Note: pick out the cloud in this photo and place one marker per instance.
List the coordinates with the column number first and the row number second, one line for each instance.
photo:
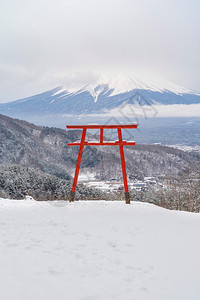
column 160, row 111
column 50, row 40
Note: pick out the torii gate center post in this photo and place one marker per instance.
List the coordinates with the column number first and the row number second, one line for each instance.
column 119, row 143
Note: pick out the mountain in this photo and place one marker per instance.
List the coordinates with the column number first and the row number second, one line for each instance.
column 100, row 96
column 46, row 149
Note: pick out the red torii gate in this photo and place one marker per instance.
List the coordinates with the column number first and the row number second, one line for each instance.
column 119, row 143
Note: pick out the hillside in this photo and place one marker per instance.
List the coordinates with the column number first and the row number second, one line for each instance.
column 46, row 148
column 18, row 182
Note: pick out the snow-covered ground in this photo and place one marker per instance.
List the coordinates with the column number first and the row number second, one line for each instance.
column 104, row 185
column 97, row 250
column 113, row 186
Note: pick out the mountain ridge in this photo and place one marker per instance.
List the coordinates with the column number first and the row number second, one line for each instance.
column 46, row 148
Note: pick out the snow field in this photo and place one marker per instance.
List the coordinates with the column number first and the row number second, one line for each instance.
column 94, row 250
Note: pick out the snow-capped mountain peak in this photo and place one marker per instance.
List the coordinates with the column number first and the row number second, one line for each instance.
column 119, row 84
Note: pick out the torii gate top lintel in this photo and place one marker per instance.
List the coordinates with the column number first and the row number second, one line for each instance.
column 94, row 126
column 119, row 143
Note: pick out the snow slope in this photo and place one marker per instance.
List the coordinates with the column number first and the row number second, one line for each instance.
column 97, row 250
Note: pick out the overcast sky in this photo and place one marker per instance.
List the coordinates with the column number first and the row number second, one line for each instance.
column 46, row 43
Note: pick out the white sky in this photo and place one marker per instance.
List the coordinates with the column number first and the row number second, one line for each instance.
column 46, row 43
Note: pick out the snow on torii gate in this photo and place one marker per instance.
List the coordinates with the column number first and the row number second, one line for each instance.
column 119, row 143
